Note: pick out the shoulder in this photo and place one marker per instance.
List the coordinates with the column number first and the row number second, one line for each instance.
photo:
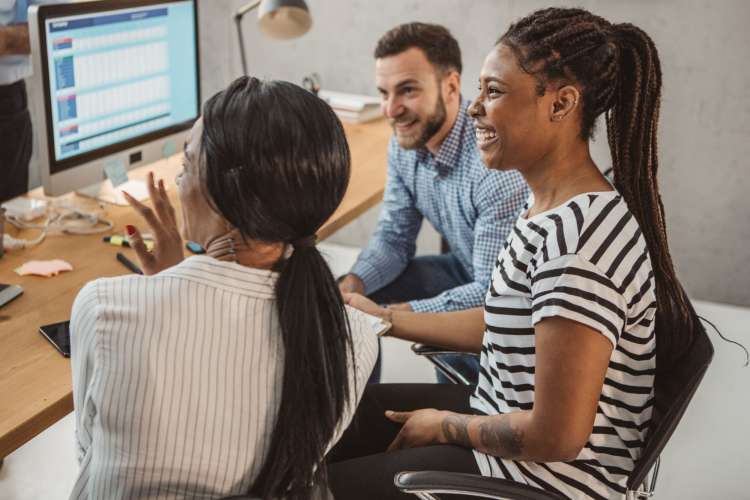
column 363, row 331
column 568, row 229
column 597, row 229
column 608, row 231
column 102, row 291
column 364, row 340
column 101, row 300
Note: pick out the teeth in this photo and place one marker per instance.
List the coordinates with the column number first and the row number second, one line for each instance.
column 485, row 135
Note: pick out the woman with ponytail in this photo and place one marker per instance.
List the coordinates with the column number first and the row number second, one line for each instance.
column 583, row 309
column 233, row 372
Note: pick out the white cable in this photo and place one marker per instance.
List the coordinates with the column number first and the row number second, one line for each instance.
column 65, row 219
column 11, row 243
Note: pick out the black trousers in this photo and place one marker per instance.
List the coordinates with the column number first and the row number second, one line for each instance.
column 15, row 140
column 359, row 468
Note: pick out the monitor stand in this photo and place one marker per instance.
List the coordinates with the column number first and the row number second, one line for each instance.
column 104, row 191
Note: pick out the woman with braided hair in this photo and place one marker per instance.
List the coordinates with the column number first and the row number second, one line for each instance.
column 568, row 335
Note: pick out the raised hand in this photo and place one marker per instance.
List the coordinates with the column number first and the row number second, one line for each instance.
column 162, row 221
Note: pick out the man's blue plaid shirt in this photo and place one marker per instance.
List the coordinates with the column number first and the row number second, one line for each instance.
column 472, row 207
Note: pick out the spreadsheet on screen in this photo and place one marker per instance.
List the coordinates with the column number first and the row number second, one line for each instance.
column 120, row 74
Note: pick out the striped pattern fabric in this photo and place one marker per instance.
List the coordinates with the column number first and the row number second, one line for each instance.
column 177, row 380
column 586, row 261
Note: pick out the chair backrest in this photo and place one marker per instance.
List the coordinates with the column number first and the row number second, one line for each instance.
column 673, row 392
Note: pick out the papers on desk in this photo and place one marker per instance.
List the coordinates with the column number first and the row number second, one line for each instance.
column 45, row 268
column 107, row 192
column 352, row 107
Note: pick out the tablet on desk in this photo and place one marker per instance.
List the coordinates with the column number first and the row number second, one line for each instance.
column 8, row 293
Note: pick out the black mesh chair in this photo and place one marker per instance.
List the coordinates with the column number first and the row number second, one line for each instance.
column 673, row 393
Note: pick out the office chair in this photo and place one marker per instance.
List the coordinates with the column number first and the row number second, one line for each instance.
column 673, row 393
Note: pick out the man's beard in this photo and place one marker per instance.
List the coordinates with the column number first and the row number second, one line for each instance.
column 432, row 124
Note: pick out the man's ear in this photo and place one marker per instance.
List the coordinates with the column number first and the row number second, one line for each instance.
column 452, row 84
column 566, row 100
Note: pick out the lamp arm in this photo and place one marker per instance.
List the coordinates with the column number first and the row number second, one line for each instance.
column 240, row 36
column 247, row 8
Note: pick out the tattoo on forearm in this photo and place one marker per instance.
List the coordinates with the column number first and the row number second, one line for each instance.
column 498, row 437
column 456, row 430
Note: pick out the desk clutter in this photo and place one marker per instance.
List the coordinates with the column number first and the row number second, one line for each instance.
column 48, row 217
column 353, row 108
column 44, row 268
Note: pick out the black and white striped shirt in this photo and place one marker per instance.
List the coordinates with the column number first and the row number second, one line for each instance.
column 587, row 261
column 177, row 380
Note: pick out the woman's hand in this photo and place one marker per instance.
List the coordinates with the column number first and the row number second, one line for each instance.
column 364, row 304
column 421, row 428
column 168, row 248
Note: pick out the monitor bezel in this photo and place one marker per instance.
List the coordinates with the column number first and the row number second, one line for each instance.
column 47, row 11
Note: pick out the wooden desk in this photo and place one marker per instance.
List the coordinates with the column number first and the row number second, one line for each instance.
column 35, row 380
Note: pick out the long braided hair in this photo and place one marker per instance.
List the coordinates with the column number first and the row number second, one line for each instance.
column 618, row 70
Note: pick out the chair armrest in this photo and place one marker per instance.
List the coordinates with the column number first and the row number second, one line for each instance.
column 456, row 483
column 430, row 350
column 432, row 354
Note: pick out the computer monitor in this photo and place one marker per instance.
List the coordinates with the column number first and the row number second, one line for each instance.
column 120, row 84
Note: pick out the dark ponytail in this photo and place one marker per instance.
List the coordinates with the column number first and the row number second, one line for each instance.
column 632, row 133
column 277, row 165
column 618, row 68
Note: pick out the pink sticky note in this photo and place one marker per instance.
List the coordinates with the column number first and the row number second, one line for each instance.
column 44, row 268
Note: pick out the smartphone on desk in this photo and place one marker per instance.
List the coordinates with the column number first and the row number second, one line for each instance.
column 8, row 293
column 59, row 335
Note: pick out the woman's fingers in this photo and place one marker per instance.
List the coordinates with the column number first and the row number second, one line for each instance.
column 159, row 200
column 145, row 212
column 398, row 416
column 167, row 249
column 135, row 239
column 170, row 208
column 398, row 443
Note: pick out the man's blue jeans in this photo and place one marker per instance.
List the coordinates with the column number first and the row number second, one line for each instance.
column 424, row 278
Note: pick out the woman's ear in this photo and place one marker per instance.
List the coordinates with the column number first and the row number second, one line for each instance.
column 567, row 99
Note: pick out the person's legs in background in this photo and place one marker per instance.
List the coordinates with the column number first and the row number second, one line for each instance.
column 15, row 141
column 358, row 466
column 465, row 364
column 424, row 278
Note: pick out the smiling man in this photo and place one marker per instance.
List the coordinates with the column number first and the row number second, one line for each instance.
column 434, row 172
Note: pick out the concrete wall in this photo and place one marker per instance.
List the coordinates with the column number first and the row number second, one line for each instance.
column 705, row 120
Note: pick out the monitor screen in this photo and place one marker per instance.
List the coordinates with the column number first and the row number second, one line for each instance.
column 117, row 76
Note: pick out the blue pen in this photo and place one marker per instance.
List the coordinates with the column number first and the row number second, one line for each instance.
column 128, row 263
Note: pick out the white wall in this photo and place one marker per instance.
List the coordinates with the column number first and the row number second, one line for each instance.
column 705, row 120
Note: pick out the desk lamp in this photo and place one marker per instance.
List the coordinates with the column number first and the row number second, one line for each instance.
column 281, row 19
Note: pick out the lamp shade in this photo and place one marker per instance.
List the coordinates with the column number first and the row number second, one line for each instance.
column 284, row 19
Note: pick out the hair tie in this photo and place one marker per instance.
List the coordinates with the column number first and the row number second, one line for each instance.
column 306, row 242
